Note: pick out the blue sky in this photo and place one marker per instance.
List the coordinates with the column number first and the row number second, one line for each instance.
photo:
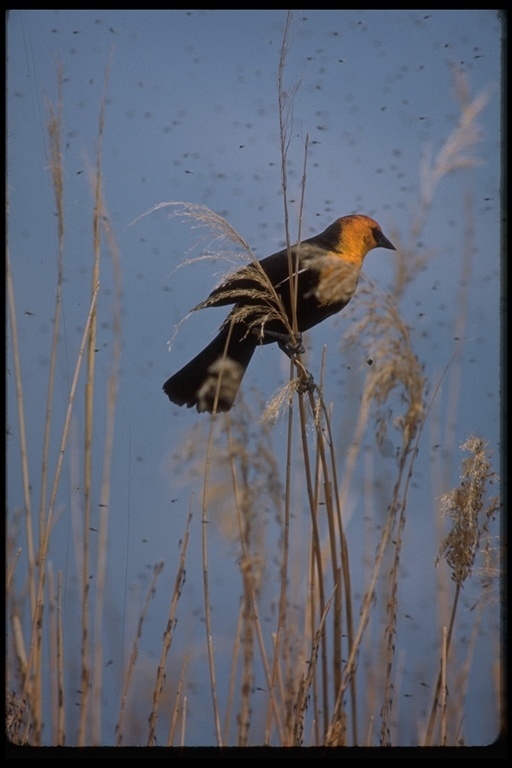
column 191, row 115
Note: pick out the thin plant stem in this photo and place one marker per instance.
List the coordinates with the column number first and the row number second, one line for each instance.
column 283, row 139
column 284, row 100
column 249, row 582
column 398, row 504
column 345, row 566
column 232, row 676
column 285, row 551
column 57, row 174
column 104, row 506
column 317, row 555
column 438, row 688
column 307, row 680
column 176, row 709
column 54, row 132
column 443, row 688
column 61, row 714
column 206, row 588
column 23, row 437
column 11, row 570
column 183, row 722
column 168, row 635
column 134, row 653
column 88, row 447
column 245, row 617
column 453, row 383
column 37, row 617
column 52, row 649
column 459, row 694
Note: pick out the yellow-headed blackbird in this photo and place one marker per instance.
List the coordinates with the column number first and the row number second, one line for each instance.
column 325, row 270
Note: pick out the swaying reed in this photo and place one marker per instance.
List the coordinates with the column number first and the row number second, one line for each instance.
column 471, row 513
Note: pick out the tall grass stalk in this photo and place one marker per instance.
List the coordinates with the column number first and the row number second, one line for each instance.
column 57, row 175
column 127, row 677
column 101, row 225
column 33, row 693
column 249, row 621
column 180, row 707
column 88, row 443
column 285, row 111
column 206, row 587
column 61, row 691
column 471, row 511
column 23, row 438
column 168, row 636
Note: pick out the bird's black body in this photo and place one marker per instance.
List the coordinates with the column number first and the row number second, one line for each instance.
column 324, row 269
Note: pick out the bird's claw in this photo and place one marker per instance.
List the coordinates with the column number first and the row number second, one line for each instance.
column 306, row 384
column 296, row 348
column 290, row 346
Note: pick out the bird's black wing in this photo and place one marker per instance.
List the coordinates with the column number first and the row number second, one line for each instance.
column 251, row 281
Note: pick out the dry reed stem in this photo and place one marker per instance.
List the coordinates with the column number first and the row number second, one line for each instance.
column 461, row 675
column 57, row 174
column 249, row 587
column 168, row 635
column 23, row 435
column 19, row 644
column 36, row 692
column 313, row 498
column 453, row 155
column 206, row 588
column 459, row 332
column 183, row 722
column 10, row 571
column 316, row 560
column 397, row 507
column 52, row 650
column 471, row 512
column 344, row 554
column 334, row 544
column 392, row 601
column 88, row 447
column 176, row 709
column 444, row 691
column 395, row 370
column 55, row 652
column 157, row 569
column 105, row 490
column 285, row 101
column 466, row 505
column 250, row 591
column 283, row 571
column 306, row 680
column 232, row 675
column 37, row 617
column 285, row 111
column 61, row 713
column 448, row 435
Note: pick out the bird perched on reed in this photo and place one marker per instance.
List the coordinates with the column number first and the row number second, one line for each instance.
column 275, row 300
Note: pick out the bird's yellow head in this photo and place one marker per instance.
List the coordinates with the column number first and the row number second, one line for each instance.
column 356, row 235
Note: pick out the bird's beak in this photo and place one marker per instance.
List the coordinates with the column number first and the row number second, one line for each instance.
column 383, row 242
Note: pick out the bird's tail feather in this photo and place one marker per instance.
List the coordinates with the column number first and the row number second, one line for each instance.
column 215, row 369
